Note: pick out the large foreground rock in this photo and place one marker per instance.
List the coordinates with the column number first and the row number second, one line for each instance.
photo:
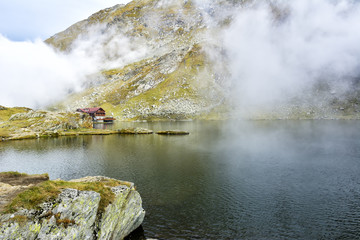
column 75, row 214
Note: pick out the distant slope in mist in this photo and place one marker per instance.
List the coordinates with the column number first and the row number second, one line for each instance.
column 161, row 59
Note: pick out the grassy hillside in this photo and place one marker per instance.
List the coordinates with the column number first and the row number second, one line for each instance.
column 175, row 80
column 183, row 70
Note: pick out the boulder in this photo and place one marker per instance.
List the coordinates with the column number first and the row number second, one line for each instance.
column 117, row 224
column 78, row 214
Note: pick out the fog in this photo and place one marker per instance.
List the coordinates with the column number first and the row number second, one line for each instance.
column 33, row 74
column 36, row 75
column 279, row 50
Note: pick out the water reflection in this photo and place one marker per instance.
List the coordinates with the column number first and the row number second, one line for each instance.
column 103, row 125
column 250, row 180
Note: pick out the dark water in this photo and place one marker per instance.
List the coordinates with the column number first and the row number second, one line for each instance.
column 240, row 180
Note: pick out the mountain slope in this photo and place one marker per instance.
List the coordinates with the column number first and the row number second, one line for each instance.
column 173, row 78
column 161, row 59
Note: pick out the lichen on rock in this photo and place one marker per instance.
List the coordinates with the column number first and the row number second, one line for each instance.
column 114, row 223
column 77, row 213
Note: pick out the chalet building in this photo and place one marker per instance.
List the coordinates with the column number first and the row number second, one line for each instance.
column 97, row 114
column 93, row 112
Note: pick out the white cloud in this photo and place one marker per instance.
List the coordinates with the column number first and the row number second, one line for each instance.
column 34, row 75
column 273, row 60
column 105, row 48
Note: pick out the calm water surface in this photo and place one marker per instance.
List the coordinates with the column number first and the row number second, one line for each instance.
column 239, row 180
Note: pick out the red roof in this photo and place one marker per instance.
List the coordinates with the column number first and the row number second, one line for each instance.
column 89, row 110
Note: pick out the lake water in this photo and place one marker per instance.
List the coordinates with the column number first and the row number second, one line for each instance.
column 226, row 180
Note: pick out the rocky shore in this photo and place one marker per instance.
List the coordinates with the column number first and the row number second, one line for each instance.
column 25, row 123
column 33, row 207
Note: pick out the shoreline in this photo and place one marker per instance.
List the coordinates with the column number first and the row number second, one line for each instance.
column 135, row 131
column 81, row 132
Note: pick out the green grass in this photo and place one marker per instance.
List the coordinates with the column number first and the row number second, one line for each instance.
column 49, row 190
column 193, row 62
column 12, row 174
column 7, row 128
column 4, row 133
column 6, row 113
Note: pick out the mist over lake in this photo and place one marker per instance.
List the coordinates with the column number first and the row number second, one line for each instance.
column 226, row 180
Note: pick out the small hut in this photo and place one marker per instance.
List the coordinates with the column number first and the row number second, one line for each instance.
column 98, row 114
column 93, row 112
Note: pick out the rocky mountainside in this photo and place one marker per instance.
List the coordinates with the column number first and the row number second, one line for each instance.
column 170, row 76
column 161, row 59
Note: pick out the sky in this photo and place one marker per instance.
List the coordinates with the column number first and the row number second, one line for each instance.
column 23, row 20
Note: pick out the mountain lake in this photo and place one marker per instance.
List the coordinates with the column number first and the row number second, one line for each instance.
column 226, row 180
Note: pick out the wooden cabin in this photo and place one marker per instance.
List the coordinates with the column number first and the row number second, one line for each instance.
column 98, row 114
column 93, row 112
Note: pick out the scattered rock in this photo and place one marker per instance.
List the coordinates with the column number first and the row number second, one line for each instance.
column 35, row 124
column 135, row 131
column 173, row 132
column 27, row 115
